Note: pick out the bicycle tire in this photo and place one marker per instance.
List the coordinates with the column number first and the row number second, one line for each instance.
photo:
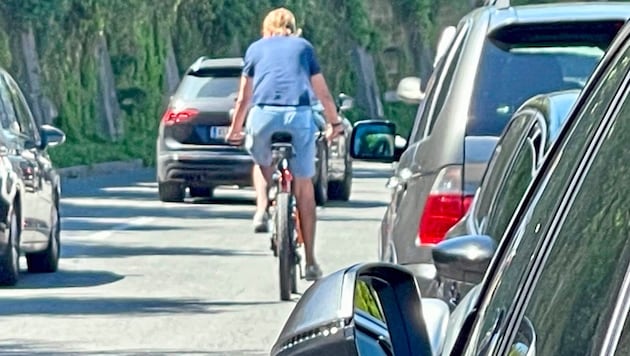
column 284, row 231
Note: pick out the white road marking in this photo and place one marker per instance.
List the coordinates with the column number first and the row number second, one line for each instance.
column 104, row 234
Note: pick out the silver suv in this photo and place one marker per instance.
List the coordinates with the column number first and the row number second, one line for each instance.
column 496, row 58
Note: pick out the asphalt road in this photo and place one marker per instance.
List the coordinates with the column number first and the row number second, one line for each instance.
column 138, row 276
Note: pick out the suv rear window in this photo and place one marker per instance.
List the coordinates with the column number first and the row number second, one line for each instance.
column 521, row 61
column 208, row 83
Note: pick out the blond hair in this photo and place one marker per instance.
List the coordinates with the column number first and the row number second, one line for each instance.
column 280, row 22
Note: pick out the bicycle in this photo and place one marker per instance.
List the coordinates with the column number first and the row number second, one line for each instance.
column 286, row 236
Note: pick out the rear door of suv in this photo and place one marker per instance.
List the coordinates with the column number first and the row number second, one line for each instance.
column 198, row 115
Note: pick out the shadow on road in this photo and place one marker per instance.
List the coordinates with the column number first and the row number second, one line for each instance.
column 344, row 219
column 220, row 200
column 355, row 204
column 70, row 250
column 109, row 306
column 28, row 347
column 87, row 209
column 384, row 172
column 66, row 279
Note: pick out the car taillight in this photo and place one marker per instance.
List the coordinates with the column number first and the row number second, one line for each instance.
column 444, row 207
column 172, row 117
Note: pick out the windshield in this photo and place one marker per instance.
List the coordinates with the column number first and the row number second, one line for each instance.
column 508, row 77
column 209, row 85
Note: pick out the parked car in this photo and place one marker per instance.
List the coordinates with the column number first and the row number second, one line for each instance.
column 498, row 58
column 517, row 157
column 29, row 187
column 555, row 284
column 191, row 150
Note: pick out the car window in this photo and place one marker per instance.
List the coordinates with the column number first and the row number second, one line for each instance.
column 514, row 182
column 559, row 67
column 442, row 86
column 367, row 300
column 209, row 84
column 623, row 347
column 7, row 103
column 498, row 165
column 4, row 117
column 515, row 261
column 581, row 278
column 22, row 111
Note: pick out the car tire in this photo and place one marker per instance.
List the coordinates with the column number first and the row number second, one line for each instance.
column 340, row 190
column 47, row 261
column 201, row 192
column 320, row 186
column 171, row 192
column 10, row 261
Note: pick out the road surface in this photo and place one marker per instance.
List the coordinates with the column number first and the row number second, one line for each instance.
column 138, row 276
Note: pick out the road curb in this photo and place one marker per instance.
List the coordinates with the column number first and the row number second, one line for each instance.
column 100, row 168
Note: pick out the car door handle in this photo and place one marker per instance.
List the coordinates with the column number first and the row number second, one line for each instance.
column 4, row 151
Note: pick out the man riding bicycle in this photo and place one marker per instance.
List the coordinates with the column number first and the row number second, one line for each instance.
column 280, row 76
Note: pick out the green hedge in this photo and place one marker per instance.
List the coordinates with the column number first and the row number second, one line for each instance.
column 138, row 33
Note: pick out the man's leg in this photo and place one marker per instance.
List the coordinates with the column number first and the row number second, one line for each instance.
column 303, row 189
column 261, row 177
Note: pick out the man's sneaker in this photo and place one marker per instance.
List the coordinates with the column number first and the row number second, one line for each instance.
column 261, row 222
column 313, row 273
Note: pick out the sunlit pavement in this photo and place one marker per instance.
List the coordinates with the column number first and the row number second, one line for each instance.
column 143, row 277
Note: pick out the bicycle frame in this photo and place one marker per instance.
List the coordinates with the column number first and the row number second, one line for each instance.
column 284, row 179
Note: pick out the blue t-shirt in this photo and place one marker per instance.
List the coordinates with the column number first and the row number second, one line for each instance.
column 282, row 67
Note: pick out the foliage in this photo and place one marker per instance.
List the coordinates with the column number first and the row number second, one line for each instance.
column 138, row 34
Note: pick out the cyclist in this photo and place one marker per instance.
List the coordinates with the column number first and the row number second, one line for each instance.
column 281, row 75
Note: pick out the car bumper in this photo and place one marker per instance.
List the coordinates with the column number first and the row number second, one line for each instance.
column 206, row 167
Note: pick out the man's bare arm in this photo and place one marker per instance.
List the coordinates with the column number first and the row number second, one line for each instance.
column 242, row 102
column 318, row 82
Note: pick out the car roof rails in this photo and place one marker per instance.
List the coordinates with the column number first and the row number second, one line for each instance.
column 499, row 4
column 197, row 65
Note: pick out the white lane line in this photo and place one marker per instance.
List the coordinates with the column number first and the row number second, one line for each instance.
column 99, row 235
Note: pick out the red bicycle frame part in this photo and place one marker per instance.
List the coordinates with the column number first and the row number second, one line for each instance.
column 285, row 181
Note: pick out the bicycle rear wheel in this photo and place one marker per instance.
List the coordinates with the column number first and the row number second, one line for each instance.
column 284, row 231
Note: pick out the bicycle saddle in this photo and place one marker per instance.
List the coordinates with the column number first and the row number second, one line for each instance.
column 281, row 137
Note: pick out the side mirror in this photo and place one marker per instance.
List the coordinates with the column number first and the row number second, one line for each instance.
column 367, row 309
column 51, row 136
column 409, row 90
column 446, row 38
column 464, row 258
column 373, row 140
column 345, row 102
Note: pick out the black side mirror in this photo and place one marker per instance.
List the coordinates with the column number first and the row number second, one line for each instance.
column 465, row 258
column 367, row 309
column 51, row 136
column 373, row 140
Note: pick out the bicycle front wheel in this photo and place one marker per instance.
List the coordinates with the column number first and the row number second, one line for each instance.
column 284, row 231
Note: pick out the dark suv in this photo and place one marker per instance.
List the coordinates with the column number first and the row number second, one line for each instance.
column 498, row 58
column 191, row 148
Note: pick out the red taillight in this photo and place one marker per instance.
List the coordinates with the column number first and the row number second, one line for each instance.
column 172, row 117
column 444, row 207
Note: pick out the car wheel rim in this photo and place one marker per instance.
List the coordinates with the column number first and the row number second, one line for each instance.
column 15, row 255
column 54, row 233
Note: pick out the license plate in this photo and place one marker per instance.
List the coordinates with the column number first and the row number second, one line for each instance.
column 218, row 132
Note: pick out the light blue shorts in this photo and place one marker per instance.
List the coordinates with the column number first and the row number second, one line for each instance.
column 264, row 121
